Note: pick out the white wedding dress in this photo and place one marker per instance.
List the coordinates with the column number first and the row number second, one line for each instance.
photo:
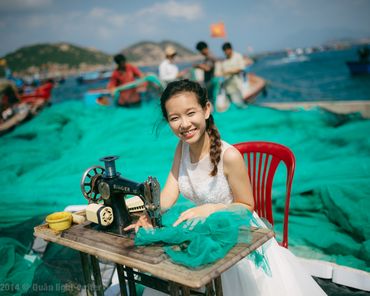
column 288, row 277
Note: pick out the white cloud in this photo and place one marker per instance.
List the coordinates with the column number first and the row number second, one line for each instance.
column 104, row 33
column 99, row 12
column 96, row 25
column 173, row 9
column 98, row 15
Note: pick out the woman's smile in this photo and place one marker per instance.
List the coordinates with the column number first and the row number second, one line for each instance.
column 189, row 134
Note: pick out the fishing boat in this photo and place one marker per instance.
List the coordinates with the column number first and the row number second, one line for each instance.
column 254, row 87
column 359, row 67
column 250, row 88
column 110, row 97
column 13, row 117
column 29, row 105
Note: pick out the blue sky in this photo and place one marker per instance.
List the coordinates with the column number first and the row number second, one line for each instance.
column 113, row 25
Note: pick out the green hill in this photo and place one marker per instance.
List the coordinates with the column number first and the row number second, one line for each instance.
column 66, row 56
column 149, row 52
column 62, row 54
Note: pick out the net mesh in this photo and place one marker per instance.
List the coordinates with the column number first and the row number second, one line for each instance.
column 201, row 241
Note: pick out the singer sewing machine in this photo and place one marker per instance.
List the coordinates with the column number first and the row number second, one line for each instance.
column 105, row 185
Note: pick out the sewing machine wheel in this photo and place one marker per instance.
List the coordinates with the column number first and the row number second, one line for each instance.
column 89, row 189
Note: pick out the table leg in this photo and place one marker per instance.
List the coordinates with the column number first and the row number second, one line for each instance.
column 209, row 289
column 218, row 286
column 185, row 291
column 174, row 289
column 121, row 278
column 131, row 281
column 87, row 273
column 97, row 276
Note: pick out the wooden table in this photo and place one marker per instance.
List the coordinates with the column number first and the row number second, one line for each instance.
column 147, row 265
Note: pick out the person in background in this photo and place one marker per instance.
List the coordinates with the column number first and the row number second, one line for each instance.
column 125, row 73
column 168, row 70
column 208, row 66
column 232, row 70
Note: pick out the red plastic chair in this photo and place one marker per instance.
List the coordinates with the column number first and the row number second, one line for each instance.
column 262, row 160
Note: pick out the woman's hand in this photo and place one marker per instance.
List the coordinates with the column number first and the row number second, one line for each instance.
column 202, row 211
column 143, row 221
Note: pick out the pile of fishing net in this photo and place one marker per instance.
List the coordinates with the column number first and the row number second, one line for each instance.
column 201, row 241
column 43, row 161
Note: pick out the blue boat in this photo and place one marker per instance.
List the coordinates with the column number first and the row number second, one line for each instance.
column 359, row 67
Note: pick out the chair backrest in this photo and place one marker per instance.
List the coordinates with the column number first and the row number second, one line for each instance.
column 262, row 160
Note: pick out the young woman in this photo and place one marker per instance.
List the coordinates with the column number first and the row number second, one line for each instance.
column 212, row 174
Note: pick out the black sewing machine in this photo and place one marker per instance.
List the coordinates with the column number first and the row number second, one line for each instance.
column 105, row 184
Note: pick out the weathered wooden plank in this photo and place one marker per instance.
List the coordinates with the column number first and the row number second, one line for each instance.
column 113, row 243
column 165, row 269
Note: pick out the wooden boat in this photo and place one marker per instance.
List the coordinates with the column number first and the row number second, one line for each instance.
column 14, row 117
column 110, row 97
column 29, row 105
column 254, row 87
column 250, row 89
column 359, row 67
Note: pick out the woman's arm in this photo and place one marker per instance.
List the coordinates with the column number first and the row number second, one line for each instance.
column 170, row 191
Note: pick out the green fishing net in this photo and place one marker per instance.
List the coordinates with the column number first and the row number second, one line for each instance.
column 42, row 162
column 16, row 267
column 196, row 242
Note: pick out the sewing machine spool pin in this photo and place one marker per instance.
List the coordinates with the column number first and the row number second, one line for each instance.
column 110, row 166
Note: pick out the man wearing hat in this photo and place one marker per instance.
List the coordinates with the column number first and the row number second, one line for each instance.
column 168, row 70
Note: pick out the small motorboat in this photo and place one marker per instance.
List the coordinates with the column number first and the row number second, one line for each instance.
column 359, row 67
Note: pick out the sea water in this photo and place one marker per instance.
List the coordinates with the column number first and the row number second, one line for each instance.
column 319, row 76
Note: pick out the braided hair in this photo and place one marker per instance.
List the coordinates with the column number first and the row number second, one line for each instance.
column 182, row 86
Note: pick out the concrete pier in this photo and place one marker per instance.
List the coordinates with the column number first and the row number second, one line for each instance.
column 341, row 107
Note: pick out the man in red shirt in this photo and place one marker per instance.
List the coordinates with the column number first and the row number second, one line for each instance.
column 123, row 74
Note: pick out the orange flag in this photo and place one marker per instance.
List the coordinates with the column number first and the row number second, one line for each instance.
column 218, row 30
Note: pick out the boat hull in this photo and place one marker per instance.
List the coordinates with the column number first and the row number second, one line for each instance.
column 255, row 86
column 359, row 68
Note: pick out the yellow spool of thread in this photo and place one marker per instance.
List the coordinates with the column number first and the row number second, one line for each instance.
column 59, row 220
